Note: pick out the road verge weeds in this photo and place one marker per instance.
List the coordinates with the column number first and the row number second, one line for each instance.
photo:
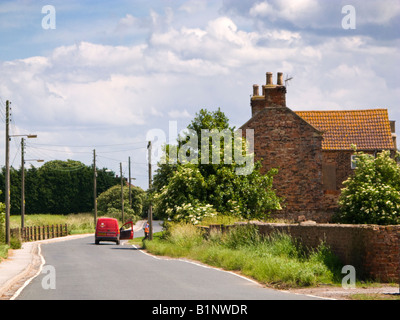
column 276, row 260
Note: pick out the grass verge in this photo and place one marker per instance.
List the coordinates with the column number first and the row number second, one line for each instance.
column 277, row 260
column 77, row 223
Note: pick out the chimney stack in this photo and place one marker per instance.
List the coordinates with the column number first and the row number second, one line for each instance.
column 273, row 96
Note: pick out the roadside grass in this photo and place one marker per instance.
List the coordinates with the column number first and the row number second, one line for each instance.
column 276, row 260
column 3, row 251
column 374, row 296
column 77, row 222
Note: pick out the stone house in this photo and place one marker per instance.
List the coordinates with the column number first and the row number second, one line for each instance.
column 312, row 149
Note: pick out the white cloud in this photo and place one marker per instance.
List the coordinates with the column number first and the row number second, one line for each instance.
column 377, row 12
column 178, row 114
column 193, row 6
column 300, row 12
column 75, row 91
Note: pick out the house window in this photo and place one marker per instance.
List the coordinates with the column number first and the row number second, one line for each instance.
column 353, row 161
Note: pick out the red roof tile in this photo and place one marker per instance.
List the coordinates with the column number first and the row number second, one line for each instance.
column 367, row 129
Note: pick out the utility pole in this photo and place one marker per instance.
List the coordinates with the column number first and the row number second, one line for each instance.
column 150, row 218
column 130, row 192
column 122, row 191
column 7, row 177
column 22, row 183
column 95, row 186
column 23, row 178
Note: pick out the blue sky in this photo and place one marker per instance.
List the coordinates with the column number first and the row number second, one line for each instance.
column 113, row 71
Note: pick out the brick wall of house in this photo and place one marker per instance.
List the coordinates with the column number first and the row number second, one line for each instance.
column 373, row 250
column 285, row 141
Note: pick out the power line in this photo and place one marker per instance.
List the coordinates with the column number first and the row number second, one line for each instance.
column 92, row 146
column 61, row 151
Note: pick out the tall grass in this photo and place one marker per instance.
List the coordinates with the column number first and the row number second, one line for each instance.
column 276, row 260
column 77, row 223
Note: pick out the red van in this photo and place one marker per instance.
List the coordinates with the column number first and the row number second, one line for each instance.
column 107, row 230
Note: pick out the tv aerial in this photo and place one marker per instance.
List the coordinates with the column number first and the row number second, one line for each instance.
column 288, row 78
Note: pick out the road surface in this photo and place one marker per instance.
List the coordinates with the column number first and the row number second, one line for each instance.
column 80, row 270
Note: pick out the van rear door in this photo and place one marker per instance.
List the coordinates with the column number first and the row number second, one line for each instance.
column 126, row 231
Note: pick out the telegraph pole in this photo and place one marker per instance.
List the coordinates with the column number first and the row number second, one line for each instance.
column 7, row 177
column 95, row 186
column 130, row 192
column 122, row 191
column 23, row 177
column 150, row 218
column 22, row 183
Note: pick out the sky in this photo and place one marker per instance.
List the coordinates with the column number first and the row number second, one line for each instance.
column 104, row 75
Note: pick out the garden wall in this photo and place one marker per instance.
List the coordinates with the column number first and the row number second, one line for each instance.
column 373, row 250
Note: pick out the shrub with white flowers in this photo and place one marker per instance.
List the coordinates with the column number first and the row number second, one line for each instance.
column 372, row 194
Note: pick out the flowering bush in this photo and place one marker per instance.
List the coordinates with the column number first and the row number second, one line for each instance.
column 372, row 195
column 181, row 199
column 192, row 213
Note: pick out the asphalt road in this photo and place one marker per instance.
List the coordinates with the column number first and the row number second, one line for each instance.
column 80, row 270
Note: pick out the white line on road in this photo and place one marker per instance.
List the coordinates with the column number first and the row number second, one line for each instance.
column 222, row 270
column 200, row 265
column 17, row 293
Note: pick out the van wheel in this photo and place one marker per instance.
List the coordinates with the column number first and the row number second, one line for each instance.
column 96, row 241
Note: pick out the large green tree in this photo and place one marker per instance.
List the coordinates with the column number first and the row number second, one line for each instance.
column 190, row 191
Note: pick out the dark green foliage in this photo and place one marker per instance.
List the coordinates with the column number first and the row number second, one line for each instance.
column 109, row 202
column 58, row 187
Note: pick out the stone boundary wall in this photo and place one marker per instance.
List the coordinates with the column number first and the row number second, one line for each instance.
column 373, row 250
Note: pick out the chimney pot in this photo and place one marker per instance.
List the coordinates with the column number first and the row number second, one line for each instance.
column 255, row 90
column 280, row 79
column 269, row 79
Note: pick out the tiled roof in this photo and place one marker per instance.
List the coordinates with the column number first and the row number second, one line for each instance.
column 367, row 129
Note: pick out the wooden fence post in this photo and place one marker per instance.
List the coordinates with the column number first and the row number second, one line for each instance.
column 35, row 233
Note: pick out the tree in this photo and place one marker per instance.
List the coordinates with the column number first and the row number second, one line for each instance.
column 109, row 202
column 372, row 194
column 58, row 187
column 190, row 191
column 65, row 187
